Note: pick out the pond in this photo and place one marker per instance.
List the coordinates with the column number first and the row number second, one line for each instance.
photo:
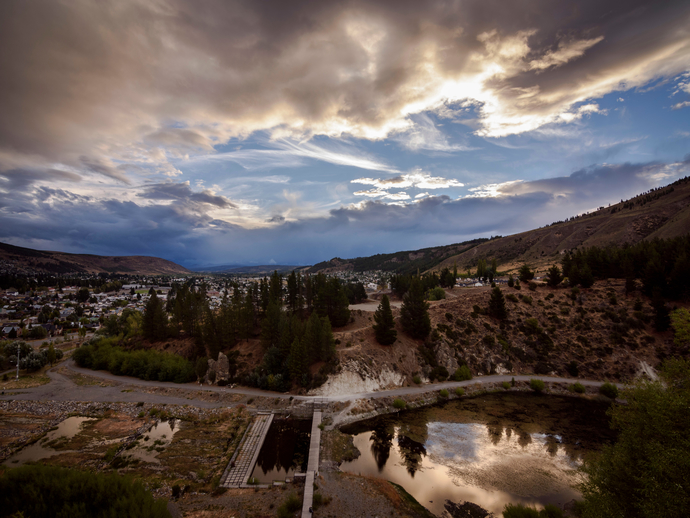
column 285, row 450
column 51, row 443
column 489, row 450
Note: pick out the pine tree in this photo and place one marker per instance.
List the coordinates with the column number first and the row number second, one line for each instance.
column 497, row 304
column 385, row 323
column 298, row 362
column 525, row 274
column 414, row 315
column 154, row 324
column 555, row 276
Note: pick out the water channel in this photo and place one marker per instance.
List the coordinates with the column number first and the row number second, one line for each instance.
column 489, row 450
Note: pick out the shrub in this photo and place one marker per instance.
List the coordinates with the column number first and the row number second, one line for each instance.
column 459, row 391
column 609, row 390
column 527, row 300
column 288, row 508
column 416, row 379
column 506, row 385
column 449, row 317
column 537, row 385
column 532, row 286
column 579, row 388
column 572, row 368
column 399, row 403
column 437, row 293
column 443, row 393
column 462, row 373
column 512, row 298
column 38, row 490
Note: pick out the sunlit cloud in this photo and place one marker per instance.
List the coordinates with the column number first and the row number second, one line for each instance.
column 417, row 179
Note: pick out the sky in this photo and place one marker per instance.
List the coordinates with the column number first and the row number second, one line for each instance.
column 272, row 132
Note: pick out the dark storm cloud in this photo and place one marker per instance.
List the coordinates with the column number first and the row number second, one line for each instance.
column 17, row 180
column 183, row 192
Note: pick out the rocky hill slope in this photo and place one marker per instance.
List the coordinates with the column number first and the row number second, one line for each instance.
column 26, row 260
column 600, row 334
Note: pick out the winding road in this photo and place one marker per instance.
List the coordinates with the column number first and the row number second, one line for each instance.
column 127, row 389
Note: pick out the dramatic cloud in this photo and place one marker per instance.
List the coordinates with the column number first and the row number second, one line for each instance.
column 418, row 179
column 177, row 127
column 182, row 192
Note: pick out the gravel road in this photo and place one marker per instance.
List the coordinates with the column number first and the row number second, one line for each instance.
column 127, row 389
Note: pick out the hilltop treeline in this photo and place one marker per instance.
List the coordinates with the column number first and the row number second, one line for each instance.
column 403, row 263
column 662, row 265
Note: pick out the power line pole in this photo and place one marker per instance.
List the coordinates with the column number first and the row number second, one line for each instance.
column 18, row 351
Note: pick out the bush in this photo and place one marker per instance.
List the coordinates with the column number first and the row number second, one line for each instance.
column 579, row 388
column 399, row 403
column 416, row 379
column 462, row 373
column 572, row 368
column 609, row 390
column 142, row 364
column 506, row 385
column 437, row 293
column 443, row 393
column 532, row 286
column 537, row 385
column 512, row 298
column 38, row 490
column 288, row 508
column 459, row 391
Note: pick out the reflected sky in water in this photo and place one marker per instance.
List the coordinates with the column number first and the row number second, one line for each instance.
column 490, row 464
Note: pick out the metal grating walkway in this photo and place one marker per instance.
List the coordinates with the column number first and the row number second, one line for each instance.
column 242, row 463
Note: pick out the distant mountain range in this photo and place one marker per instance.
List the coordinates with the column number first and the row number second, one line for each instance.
column 26, row 260
column 251, row 270
column 660, row 213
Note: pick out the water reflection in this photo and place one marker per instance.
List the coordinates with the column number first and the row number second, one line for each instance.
column 52, row 444
column 491, row 450
column 154, row 441
column 285, row 450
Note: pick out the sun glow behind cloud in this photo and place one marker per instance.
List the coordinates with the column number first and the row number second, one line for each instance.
column 284, row 109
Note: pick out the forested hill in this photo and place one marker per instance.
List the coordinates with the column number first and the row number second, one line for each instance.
column 659, row 213
column 17, row 260
column 400, row 262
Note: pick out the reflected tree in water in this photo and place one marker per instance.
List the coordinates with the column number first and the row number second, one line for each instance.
column 524, row 438
column 495, row 433
column 381, row 442
column 411, row 452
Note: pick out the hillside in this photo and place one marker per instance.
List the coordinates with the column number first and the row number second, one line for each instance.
column 662, row 213
column 17, row 259
column 399, row 262
column 601, row 334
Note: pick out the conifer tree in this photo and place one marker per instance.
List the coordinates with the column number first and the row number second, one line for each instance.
column 555, row 276
column 414, row 315
column 497, row 304
column 385, row 323
column 297, row 362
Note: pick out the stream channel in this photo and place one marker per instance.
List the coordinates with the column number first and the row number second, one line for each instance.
column 490, row 450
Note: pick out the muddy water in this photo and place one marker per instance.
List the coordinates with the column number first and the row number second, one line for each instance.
column 285, row 450
column 154, row 441
column 490, row 450
column 49, row 445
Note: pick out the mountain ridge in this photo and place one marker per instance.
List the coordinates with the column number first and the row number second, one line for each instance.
column 29, row 260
